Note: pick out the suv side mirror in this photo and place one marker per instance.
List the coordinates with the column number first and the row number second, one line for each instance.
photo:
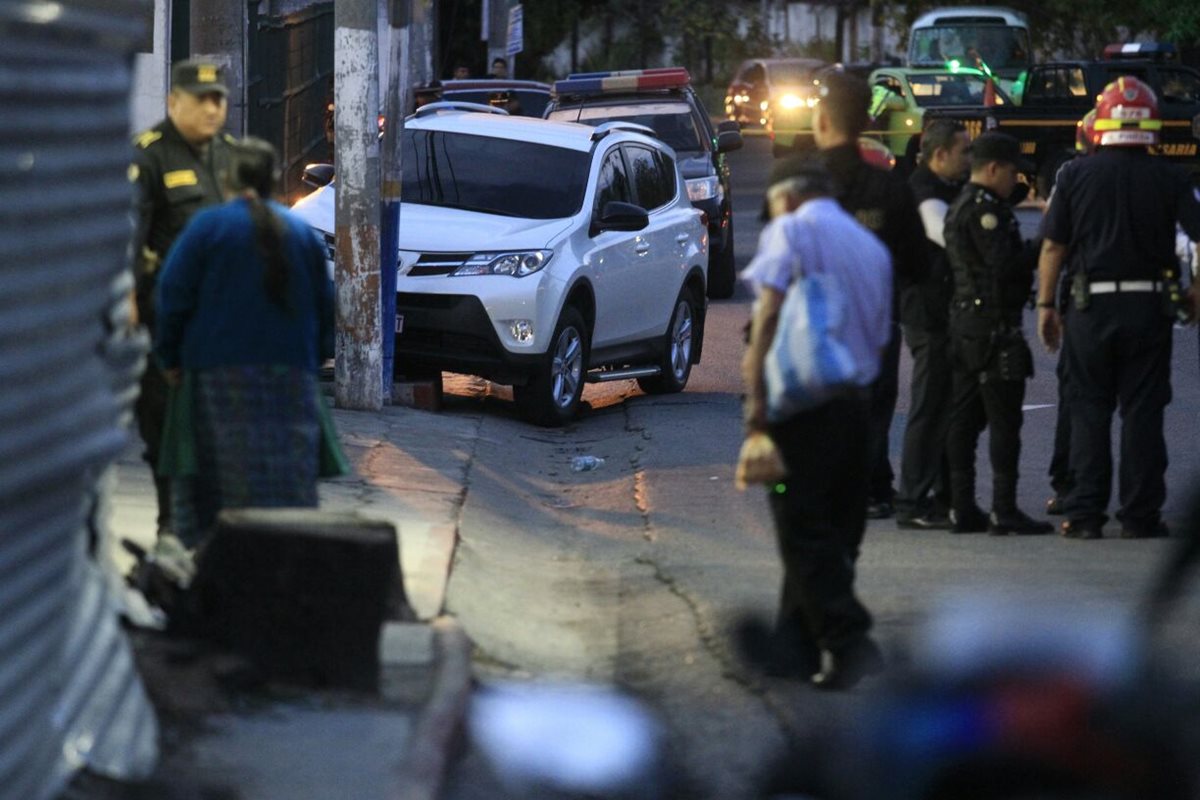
column 618, row 216
column 728, row 141
column 317, row 175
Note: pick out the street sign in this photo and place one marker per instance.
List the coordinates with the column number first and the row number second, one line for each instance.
column 516, row 30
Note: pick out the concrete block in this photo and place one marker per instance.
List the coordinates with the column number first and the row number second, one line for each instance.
column 425, row 395
column 302, row 593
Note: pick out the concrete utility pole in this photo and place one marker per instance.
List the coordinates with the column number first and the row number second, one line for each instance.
column 498, row 33
column 358, row 337
column 218, row 32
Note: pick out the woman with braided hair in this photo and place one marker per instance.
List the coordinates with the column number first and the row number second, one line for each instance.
column 245, row 321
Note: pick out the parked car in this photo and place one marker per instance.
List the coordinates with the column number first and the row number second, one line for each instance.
column 663, row 100
column 900, row 97
column 763, row 88
column 581, row 260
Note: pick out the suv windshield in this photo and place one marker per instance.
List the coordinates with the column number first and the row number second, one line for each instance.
column 494, row 176
column 672, row 122
column 786, row 73
column 1001, row 47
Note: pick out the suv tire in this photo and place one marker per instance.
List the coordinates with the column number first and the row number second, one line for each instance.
column 678, row 347
column 722, row 271
column 551, row 398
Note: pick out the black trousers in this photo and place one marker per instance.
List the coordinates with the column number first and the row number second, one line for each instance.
column 884, row 392
column 820, row 515
column 1061, row 475
column 1118, row 355
column 977, row 404
column 151, row 412
column 923, row 464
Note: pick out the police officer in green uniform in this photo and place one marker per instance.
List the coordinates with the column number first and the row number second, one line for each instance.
column 178, row 168
column 883, row 202
column 993, row 273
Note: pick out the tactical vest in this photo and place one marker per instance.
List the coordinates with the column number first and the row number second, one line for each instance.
column 995, row 294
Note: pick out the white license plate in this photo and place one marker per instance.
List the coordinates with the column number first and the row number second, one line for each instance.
column 399, row 323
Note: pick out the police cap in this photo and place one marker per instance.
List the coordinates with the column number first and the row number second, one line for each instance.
column 996, row 146
column 197, row 76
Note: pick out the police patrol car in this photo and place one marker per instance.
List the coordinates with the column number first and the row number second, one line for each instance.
column 543, row 255
column 663, row 99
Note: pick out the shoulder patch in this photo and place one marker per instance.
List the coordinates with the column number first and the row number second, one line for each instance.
column 147, row 138
column 180, row 177
column 870, row 218
column 989, row 221
column 229, row 138
column 132, row 173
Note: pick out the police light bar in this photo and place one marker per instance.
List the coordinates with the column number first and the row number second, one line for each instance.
column 633, row 80
column 1161, row 50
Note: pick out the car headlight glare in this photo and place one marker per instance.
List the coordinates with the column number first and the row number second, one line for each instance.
column 704, row 189
column 791, row 101
column 516, row 264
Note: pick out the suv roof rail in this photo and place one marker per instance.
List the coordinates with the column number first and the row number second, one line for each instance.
column 605, row 128
column 457, row 105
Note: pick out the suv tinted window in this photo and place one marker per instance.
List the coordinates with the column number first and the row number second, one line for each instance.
column 495, row 176
column 613, row 183
column 649, row 178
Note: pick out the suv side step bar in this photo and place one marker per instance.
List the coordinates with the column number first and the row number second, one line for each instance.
column 605, row 375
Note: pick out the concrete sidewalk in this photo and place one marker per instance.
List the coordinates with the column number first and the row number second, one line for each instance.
column 411, row 469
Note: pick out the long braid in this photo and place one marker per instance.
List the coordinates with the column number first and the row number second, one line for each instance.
column 253, row 175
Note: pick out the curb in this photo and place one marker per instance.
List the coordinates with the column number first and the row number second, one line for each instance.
column 424, row 764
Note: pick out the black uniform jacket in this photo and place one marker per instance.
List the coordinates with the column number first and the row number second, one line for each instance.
column 1116, row 211
column 883, row 202
column 992, row 267
column 174, row 180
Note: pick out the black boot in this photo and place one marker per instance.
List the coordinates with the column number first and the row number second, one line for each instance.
column 1006, row 518
column 965, row 514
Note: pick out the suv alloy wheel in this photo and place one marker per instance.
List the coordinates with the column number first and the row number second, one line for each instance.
column 676, row 364
column 551, row 398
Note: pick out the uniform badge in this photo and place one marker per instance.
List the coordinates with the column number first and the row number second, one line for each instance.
column 989, row 221
column 132, row 173
column 180, row 177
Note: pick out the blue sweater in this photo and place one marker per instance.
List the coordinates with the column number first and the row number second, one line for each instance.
column 212, row 304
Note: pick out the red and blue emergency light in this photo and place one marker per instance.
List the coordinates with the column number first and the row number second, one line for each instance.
column 632, row 80
column 1154, row 50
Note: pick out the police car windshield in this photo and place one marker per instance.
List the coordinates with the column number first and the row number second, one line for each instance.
column 950, row 89
column 673, row 122
column 493, row 176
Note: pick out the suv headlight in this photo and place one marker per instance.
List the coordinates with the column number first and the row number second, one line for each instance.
column 517, row 264
column 705, row 189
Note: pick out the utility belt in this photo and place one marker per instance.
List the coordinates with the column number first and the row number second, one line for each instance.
column 1169, row 288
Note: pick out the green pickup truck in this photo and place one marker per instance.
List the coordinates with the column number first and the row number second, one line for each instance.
column 1058, row 94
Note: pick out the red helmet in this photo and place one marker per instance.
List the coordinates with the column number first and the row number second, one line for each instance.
column 1085, row 133
column 1127, row 114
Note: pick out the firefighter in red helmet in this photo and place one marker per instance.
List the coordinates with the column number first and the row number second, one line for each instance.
column 1112, row 224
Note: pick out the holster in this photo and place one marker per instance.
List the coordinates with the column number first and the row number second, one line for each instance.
column 1014, row 359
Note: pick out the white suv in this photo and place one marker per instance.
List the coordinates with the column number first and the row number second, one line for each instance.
column 543, row 254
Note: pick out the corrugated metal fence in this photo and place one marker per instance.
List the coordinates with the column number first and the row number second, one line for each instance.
column 69, row 696
column 289, row 83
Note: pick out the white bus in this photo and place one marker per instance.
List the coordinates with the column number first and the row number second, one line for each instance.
column 988, row 37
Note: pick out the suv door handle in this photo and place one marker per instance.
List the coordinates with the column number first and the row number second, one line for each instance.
column 681, row 238
column 642, row 248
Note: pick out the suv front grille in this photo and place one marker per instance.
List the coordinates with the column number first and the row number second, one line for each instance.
column 437, row 263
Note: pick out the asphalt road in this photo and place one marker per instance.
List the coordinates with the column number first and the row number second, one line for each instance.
column 632, row 573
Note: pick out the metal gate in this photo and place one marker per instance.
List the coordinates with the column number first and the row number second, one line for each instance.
column 289, row 84
column 70, row 695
